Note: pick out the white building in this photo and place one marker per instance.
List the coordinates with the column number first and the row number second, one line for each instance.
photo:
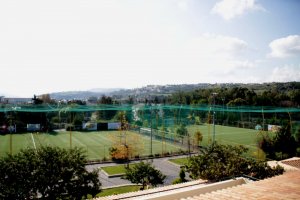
column 15, row 100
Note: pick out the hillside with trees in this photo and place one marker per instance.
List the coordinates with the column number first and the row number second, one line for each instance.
column 273, row 94
column 286, row 94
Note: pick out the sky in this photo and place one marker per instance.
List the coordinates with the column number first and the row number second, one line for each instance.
column 73, row 45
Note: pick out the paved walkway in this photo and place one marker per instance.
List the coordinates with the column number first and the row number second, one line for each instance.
column 167, row 168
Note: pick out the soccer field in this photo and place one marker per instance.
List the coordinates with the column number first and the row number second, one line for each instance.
column 227, row 135
column 96, row 144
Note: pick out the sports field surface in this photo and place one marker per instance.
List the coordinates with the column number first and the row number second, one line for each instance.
column 97, row 143
column 228, row 135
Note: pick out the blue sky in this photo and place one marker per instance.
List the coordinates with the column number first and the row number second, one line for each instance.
column 48, row 46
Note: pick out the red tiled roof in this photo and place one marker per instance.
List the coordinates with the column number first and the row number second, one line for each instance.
column 293, row 163
column 286, row 186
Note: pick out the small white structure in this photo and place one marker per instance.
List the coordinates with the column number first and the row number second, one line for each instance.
column 89, row 126
column 33, row 127
column 11, row 100
column 273, row 128
column 114, row 126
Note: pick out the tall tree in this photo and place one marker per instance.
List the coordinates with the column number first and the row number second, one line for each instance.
column 46, row 98
column 36, row 100
column 145, row 174
column 198, row 137
column 282, row 145
column 47, row 173
column 182, row 132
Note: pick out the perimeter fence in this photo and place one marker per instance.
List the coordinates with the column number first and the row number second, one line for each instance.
column 152, row 130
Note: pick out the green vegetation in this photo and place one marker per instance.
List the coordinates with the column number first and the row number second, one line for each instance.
column 182, row 131
column 50, row 173
column 162, row 93
column 281, row 146
column 228, row 135
column 118, row 169
column 181, row 178
column 219, row 162
column 273, row 94
column 118, row 190
column 95, row 143
column 179, row 161
column 145, row 174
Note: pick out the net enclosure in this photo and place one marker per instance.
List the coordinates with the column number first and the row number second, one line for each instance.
column 142, row 129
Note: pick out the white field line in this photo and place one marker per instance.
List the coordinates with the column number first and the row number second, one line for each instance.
column 33, row 141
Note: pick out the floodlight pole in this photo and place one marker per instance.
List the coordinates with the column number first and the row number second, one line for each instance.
column 10, row 132
column 151, row 130
column 71, row 132
column 214, row 125
column 223, row 99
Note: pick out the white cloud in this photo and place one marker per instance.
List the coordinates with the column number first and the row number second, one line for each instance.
column 212, row 44
column 118, row 62
column 183, row 5
column 45, row 48
column 285, row 73
column 215, row 53
column 246, row 64
column 228, row 9
column 285, row 47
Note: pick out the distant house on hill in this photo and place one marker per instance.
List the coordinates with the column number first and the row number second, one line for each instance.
column 15, row 100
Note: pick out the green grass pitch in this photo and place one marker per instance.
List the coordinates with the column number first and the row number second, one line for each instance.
column 97, row 143
column 227, row 135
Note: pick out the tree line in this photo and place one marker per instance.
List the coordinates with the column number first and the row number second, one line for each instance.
column 237, row 96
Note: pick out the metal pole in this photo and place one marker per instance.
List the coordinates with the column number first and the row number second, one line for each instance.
column 262, row 110
column 127, row 155
column 214, row 128
column 223, row 99
column 151, row 130
column 189, row 144
column 10, row 143
column 214, row 125
column 10, row 133
column 71, row 132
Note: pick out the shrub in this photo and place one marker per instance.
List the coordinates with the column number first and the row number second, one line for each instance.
column 181, row 178
column 48, row 172
column 283, row 145
column 144, row 174
column 223, row 161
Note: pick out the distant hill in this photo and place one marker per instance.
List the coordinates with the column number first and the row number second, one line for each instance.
column 119, row 93
column 159, row 90
column 165, row 90
column 96, row 92
column 73, row 95
column 104, row 90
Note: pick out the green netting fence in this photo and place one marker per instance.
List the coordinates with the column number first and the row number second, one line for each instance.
column 154, row 128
